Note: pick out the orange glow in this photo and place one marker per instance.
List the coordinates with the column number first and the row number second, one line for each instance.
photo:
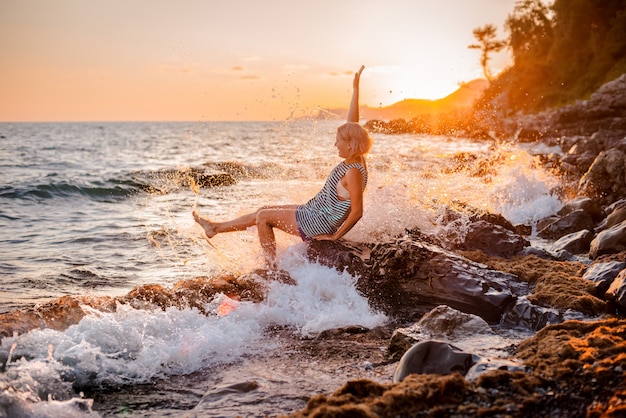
column 227, row 306
column 199, row 60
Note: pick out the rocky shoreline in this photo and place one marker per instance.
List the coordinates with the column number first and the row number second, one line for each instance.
column 571, row 295
column 570, row 367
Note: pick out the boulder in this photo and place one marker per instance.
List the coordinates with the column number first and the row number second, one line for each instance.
column 406, row 278
column 609, row 241
column 574, row 243
column 589, row 205
column 572, row 222
column 528, row 315
column 603, row 274
column 617, row 291
column 443, row 324
column 492, row 239
column 616, row 213
column 606, row 178
column 433, row 357
column 484, row 365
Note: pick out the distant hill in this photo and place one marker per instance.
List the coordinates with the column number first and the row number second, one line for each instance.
column 407, row 109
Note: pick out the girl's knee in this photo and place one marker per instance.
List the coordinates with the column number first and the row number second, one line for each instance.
column 262, row 216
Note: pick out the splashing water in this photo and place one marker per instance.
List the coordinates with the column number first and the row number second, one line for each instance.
column 104, row 240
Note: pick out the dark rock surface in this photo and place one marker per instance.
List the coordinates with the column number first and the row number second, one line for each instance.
column 407, row 278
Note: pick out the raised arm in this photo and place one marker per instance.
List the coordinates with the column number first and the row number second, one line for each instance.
column 353, row 113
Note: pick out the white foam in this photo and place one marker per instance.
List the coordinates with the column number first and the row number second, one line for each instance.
column 133, row 346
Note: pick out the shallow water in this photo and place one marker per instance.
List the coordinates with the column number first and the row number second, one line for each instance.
column 99, row 208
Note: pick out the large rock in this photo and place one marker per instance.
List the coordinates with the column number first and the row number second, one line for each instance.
column 441, row 324
column 572, row 222
column 492, row 239
column 609, row 241
column 589, row 205
column 603, row 274
column 606, row 178
column 574, row 243
column 407, row 278
column 524, row 313
column 617, row 291
column 616, row 213
column 433, row 357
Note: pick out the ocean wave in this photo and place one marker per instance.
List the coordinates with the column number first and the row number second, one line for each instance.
column 80, row 343
column 108, row 191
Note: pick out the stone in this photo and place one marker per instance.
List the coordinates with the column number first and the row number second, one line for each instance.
column 526, row 314
column 609, row 241
column 433, row 357
column 484, row 365
column 492, row 239
column 572, row 222
column 574, row 243
column 603, row 274
column 617, row 291
column 616, row 214
column 606, row 178
column 585, row 203
column 441, row 323
column 406, row 278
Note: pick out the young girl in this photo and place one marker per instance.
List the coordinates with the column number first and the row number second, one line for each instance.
column 332, row 212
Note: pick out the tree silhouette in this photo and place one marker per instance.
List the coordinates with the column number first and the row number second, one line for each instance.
column 486, row 36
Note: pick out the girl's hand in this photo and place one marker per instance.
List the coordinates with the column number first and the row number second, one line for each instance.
column 357, row 77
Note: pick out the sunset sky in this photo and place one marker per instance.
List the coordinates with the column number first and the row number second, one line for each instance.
column 147, row 60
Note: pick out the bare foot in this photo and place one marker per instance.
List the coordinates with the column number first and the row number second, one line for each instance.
column 209, row 230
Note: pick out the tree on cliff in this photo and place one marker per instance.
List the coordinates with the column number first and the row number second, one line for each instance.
column 561, row 52
column 487, row 43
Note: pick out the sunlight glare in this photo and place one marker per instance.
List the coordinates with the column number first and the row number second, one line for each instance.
column 404, row 82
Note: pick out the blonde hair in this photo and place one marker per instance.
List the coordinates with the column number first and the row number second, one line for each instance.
column 359, row 139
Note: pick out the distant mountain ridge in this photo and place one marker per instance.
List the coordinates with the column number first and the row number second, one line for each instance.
column 408, row 109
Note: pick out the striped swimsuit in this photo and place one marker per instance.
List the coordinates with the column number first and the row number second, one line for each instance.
column 325, row 213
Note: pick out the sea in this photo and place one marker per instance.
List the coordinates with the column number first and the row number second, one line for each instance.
column 97, row 209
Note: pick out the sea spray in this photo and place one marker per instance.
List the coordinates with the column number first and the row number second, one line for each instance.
column 133, row 346
column 505, row 180
column 137, row 237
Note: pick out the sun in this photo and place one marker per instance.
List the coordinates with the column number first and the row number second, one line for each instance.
column 394, row 84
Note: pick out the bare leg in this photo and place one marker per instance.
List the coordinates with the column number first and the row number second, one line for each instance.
column 241, row 223
column 209, row 229
column 281, row 217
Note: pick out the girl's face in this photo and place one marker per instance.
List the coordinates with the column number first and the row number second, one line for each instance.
column 343, row 146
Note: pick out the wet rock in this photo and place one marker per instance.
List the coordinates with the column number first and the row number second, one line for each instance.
column 442, row 323
column 574, row 243
column 433, row 357
column 485, row 365
column 609, row 241
column 473, row 214
column 526, row 314
column 616, row 213
column 406, row 278
column 589, row 205
column 492, row 239
column 572, row 222
column 557, row 284
column 573, row 369
column 57, row 314
column 617, row 291
column 543, row 223
column 603, row 274
column 606, row 178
